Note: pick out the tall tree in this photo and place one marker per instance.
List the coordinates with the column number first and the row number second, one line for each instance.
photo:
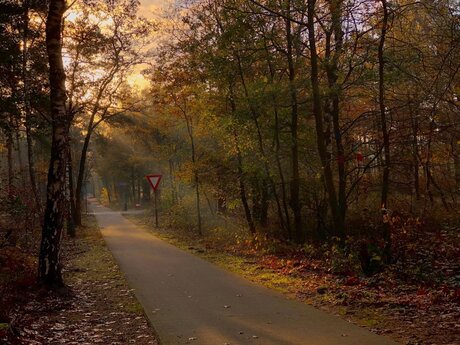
column 384, row 129
column 49, row 257
column 319, row 121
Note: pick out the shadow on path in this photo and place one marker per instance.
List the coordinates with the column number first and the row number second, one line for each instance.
column 191, row 301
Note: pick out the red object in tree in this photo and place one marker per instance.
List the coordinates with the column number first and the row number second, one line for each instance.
column 359, row 157
column 154, row 181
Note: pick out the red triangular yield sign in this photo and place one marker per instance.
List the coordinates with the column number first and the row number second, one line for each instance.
column 154, row 181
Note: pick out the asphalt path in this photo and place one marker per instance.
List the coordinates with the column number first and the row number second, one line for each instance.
column 191, row 301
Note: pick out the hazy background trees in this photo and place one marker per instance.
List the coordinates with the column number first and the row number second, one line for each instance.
column 303, row 121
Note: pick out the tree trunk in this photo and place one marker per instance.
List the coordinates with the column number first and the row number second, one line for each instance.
column 383, row 111
column 49, row 257
column 31, row 164
column 295, row 178
column 19, row 152
column 198, row 206
column 287, row 217
column 81, row 174
column 27, row 123
column 261, row 216
column 334, row 101
column 9, row 155
column 320, row 137
column 284, row 220
column 172, row 182
column 195, row 171
column 208, row 201
column 456, row 153
column 386, row 136
column 71, row 212
column 242, row 187
column 415, row 160
column 260, row 202
column 243, row 196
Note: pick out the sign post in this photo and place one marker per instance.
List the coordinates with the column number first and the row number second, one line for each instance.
column 154, row 181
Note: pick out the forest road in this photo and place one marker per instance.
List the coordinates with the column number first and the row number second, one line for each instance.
column 191, row 301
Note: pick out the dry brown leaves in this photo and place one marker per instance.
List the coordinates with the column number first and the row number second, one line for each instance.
column 102, row 309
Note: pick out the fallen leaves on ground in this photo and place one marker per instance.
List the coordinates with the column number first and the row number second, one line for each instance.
column 101, row 308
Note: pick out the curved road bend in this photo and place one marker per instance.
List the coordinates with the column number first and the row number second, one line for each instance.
column 191, row 301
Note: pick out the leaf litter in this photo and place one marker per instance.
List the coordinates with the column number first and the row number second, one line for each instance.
column 97, row 310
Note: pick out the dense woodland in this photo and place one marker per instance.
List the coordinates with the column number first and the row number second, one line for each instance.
column 319, row 126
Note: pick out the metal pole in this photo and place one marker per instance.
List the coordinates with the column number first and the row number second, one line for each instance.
column 156, row 208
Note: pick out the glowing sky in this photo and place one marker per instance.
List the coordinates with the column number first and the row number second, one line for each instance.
column 150, row 7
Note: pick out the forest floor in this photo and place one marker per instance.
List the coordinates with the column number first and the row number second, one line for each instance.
column 100, row 308
column 408, row 311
